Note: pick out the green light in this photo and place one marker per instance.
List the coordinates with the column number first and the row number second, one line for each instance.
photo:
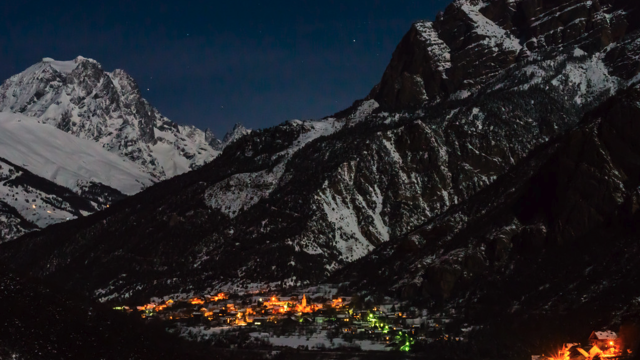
column 405, row 340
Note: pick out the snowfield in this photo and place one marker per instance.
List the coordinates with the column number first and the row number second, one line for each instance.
column 65, row 159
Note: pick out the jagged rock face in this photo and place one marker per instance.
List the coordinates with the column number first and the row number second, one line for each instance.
column 556, row 237
column 473, row 41
column 237, row 132
column 80, row 98
column 211, row 139
column 295, row 203
column 578, row 192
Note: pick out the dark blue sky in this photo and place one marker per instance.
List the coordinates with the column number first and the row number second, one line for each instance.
column 214, row 63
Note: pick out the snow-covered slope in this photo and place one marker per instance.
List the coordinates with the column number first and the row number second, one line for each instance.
column 80, row 98
column 65, row 159
column 29, row 202
column 36, row 205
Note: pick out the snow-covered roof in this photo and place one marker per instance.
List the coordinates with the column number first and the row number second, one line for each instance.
column 604, row 335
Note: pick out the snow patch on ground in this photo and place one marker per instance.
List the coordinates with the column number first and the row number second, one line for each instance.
column 313, row 130
column 33, row 205
column 318, row 341
column 590, row 78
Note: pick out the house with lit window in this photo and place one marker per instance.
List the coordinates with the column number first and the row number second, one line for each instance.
column 603, row 339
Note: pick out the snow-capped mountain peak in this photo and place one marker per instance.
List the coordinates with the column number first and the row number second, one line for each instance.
column 84, row 138
column 237, row 132
column 80, row 98
column 64, row 67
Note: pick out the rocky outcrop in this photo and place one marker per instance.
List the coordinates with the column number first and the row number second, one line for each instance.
column 472, row 41
column 237, row 132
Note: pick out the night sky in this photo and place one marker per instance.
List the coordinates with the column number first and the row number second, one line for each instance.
column 215, row 63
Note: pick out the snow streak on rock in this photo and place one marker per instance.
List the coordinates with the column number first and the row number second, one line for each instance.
column 493, row 36
column 439, row 51
column 348, row 240
column 240, row 192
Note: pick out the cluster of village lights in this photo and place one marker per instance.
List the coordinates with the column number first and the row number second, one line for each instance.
column 403, row 340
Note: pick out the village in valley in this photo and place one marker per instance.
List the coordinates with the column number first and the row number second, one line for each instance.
column 325, row 321
column 316, row 323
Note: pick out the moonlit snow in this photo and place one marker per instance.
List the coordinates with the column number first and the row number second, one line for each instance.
column 63, row 158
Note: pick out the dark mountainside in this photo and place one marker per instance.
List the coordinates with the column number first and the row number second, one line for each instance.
column 44, row 323
column 554, row 242
column 492, row 171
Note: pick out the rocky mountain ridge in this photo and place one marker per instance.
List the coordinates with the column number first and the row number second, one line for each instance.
column 473, row 41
